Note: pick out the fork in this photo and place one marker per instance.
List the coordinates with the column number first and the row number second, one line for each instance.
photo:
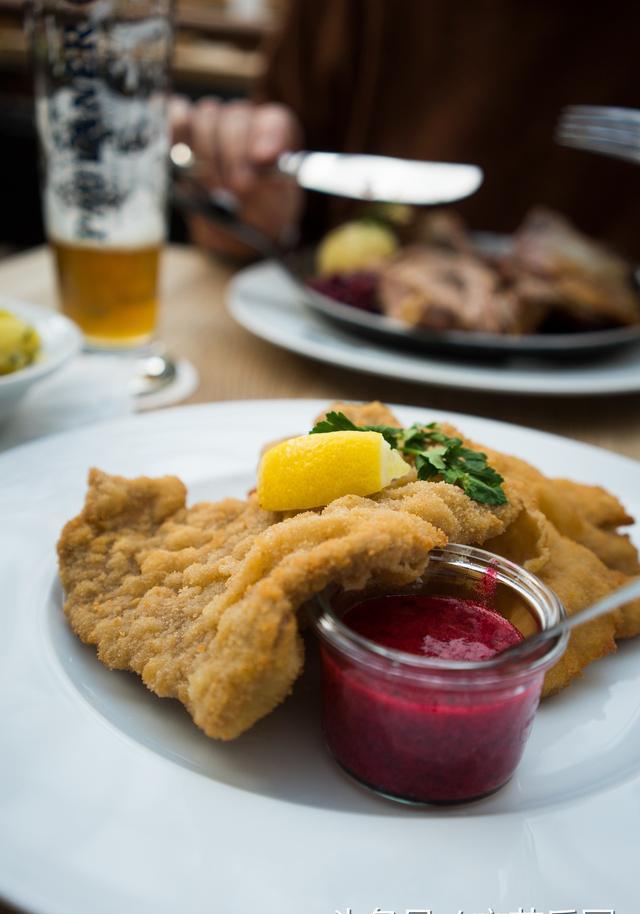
column 610, row 131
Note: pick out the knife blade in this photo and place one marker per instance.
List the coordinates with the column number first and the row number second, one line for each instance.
column 364, row 177
column 381, row 178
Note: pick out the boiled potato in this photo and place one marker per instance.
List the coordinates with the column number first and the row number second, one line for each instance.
column 355, row 246
column 19, row 343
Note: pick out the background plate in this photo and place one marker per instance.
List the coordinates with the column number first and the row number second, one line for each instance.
column 558, row 346
column 265, row 301
column 112, row 801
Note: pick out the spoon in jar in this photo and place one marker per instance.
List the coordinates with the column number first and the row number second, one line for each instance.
column 625, row 594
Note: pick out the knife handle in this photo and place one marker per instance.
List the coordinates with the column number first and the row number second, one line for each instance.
column 290, row 163
column 185, row 164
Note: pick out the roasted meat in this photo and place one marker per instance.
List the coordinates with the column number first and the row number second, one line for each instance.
column 552, row 262
column 447, row 290
column 552, row 278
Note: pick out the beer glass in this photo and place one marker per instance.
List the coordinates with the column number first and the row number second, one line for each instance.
column 101, row 69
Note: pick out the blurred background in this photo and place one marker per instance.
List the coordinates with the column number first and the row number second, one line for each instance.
column 220, row 49
column 484, row 82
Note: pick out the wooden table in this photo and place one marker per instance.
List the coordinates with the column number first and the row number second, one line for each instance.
column 235, row 365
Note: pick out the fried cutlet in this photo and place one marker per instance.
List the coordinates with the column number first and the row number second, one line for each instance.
column 201, row 602
column 568, row 534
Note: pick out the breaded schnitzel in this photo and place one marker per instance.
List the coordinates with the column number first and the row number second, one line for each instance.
column 567, row 534
column 201, row 602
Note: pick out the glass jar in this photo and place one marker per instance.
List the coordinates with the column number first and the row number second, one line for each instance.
column 429, row 730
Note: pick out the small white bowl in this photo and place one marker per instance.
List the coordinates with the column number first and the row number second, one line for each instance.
column 60, row 340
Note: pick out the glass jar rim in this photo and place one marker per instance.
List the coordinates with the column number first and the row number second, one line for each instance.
column 535, row 592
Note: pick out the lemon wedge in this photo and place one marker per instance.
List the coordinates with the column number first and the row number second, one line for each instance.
column 312, row 470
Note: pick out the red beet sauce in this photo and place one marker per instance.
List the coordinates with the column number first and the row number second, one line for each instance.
column 445, row 627
column 420, row 736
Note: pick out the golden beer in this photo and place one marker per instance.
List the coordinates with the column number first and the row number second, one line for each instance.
column 101, row 113
column 110, row 292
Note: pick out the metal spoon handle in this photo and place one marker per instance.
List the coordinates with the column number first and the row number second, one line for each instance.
column 612, row 601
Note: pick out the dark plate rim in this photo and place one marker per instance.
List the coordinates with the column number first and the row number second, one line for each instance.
column 508, row 343
column 535, row 342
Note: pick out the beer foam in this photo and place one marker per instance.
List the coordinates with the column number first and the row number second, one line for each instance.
column 137, row 223
column 106, row 173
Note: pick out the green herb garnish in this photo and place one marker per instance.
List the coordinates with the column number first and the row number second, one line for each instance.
column 434, row 453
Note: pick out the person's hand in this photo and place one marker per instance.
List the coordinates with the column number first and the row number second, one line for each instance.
column 235, row 143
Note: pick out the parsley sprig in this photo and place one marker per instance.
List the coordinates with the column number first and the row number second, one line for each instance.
column 434, row 454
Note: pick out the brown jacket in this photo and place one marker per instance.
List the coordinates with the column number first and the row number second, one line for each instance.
column 472, row 81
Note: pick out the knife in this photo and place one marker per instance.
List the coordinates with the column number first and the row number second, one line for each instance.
column 366, row 177
column 381, row 178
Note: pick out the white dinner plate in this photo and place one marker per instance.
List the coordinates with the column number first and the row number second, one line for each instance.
column 265, row 301
column 112, row 802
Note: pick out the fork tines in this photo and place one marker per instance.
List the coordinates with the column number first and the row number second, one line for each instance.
column 611, row 131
